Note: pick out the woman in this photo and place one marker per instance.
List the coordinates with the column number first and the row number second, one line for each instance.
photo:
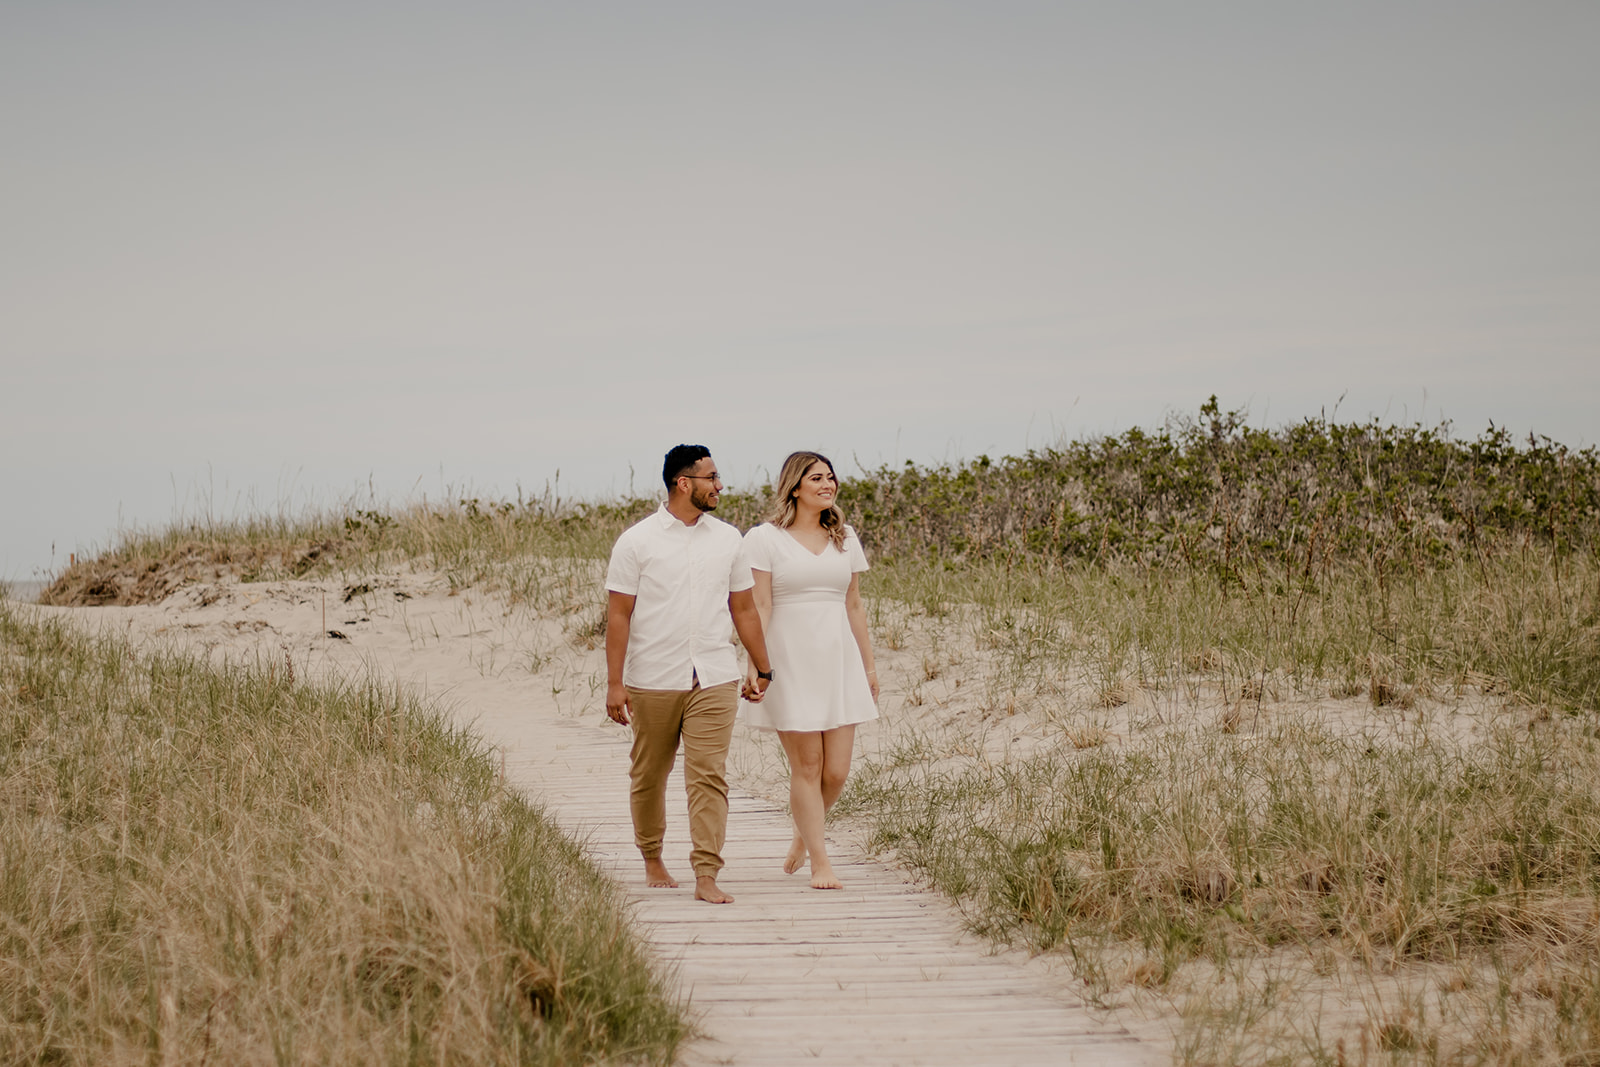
column 807, row 565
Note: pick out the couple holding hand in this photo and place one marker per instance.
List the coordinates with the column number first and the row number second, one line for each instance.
column 792, row 589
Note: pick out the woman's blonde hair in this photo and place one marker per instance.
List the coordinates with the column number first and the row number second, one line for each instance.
column 782, row 510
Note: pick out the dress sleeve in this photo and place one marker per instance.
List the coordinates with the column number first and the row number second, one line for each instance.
column 739, row 577
column 622, row 576
column 853, row 549
column 757, row 549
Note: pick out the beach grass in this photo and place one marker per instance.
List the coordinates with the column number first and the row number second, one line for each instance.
column 1521, row 620
column 1388, row 844
column 1318, row 711
column 226, row 864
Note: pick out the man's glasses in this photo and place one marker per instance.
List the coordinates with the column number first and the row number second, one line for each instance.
column 704, row 477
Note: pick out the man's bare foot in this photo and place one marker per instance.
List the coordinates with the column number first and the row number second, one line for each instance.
column 822, row 876
column 656, row 875
column 796, row 857
column 705, row 888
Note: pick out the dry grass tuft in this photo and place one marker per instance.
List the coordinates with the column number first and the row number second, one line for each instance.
column 1207, row 879
column 1086, row 735
column 1113, row 694
column 1387, row 693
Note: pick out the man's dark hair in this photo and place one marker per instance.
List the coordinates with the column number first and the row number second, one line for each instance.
column 681, row 460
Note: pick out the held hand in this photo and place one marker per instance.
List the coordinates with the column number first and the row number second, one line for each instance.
column 617, row 703
column 754, row 688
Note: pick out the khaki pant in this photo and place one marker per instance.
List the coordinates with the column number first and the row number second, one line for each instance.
column 703, row 719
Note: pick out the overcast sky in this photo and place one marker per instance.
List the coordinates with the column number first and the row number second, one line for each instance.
column 254, row 255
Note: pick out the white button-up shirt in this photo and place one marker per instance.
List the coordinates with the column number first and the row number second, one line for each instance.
column 680, row 577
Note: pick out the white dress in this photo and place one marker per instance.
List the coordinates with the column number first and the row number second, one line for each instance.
column 818, row 678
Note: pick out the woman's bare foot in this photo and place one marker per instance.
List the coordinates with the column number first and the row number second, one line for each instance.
column 656, row 875
column 705, row 888
column 822, row 877
column 796, row 857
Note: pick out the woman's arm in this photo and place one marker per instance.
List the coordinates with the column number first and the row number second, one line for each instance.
column 858, row 626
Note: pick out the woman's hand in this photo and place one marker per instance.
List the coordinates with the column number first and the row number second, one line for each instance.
column 872, row 683
column 752, row 690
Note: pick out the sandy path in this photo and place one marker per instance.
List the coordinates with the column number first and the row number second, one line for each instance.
column 877, row 974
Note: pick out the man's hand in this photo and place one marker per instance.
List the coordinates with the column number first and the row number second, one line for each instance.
column 617, row 703
column 754, row 687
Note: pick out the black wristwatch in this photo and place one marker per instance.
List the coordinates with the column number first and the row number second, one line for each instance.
column 765, row 676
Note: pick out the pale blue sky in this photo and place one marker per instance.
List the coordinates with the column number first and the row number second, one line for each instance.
column 268, row 253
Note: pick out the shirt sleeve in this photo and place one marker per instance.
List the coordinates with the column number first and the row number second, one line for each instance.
column 853, row 549
column 622, row 575
column 739, row 576
column 757, row 549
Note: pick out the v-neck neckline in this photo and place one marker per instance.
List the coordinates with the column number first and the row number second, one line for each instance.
column 803, row 548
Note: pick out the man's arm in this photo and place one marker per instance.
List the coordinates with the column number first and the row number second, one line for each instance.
column 619, row 623
column 747, row 621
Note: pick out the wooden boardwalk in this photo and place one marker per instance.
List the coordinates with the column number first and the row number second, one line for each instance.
column 877, row 974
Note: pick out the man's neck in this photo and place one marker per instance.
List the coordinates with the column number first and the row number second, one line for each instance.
column 683, row 511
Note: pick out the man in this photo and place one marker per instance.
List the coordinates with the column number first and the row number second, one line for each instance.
column 671, row 673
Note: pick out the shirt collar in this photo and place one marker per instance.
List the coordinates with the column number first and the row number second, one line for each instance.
column 668, row 520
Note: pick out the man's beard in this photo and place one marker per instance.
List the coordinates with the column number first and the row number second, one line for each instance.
column 703, row 501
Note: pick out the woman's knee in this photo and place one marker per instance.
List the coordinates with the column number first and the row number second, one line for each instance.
column 833, row 778
column 806, row 770
column 805, row 756
column 805, row 763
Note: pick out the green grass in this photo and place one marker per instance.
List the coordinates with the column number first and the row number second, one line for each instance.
column 221, row 864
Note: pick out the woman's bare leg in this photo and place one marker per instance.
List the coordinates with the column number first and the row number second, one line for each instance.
column 797, row 848
column 805, row 752
column 838, row 745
